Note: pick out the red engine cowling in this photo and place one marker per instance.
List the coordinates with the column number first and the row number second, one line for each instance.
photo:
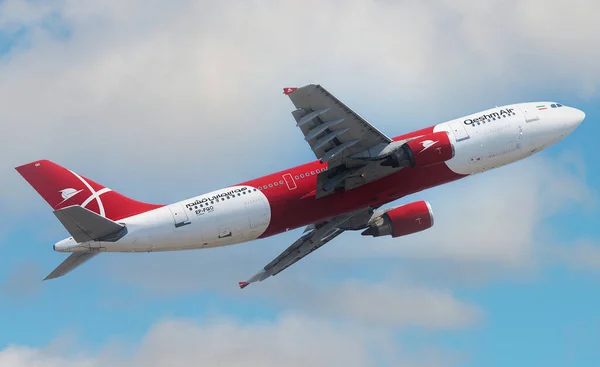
column 402, row 220
column 431, row 149
column 425, row 150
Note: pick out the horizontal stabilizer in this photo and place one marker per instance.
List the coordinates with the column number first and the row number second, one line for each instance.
column 73, row 261
column 84, row 225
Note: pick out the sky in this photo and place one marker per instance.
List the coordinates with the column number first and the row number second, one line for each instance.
column 163, row 101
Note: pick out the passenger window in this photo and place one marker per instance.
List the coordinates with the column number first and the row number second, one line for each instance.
column 312, row 173
column 302, row 175
column 270, row 185
column 281, row 182
column 276, row 183
column 297, row 177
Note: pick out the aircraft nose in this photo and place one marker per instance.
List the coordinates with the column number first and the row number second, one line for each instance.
column 579, row 116
column 575, row 117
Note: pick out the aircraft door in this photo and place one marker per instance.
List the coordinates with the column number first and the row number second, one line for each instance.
column 500, row 141
column 289, row 181
column 519, row 137
column 180, row 217
column 459, row 130
column 258, row 212
column 530, row 113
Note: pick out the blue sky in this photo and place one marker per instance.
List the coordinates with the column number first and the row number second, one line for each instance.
column 162, row 102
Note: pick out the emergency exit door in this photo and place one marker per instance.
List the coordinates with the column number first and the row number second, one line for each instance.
column 180, row 217
column 459, row 130
column 530, row 113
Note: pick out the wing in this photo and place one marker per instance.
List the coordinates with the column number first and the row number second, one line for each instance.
column 70, row 263
column 332, row 130
column 339, row 136
column 314, row 236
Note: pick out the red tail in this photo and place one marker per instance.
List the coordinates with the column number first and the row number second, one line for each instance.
column 61, row 188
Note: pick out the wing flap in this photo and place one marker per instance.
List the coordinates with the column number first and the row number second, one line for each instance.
column 339, row 136
column 317, row 107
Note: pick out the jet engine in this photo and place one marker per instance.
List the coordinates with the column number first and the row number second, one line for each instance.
column 425, row 150
column 401, row 220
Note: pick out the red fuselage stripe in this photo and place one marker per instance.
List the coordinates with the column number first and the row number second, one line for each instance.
column 293, row 208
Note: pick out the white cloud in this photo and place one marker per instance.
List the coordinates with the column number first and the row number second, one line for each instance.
column 391, row 302
column 291, row 339
column 387, row 303
column 494, row 218
column 583, row 255
column 165, row 100
column 149, row 92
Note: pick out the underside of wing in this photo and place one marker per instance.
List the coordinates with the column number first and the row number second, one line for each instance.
column 313, row 238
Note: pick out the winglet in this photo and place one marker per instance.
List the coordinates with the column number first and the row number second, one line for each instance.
column 288, row 90
column 258, row 277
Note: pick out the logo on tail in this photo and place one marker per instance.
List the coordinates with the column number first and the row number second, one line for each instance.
column 68, row 193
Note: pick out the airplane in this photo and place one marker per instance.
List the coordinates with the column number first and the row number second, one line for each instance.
column 358, row 170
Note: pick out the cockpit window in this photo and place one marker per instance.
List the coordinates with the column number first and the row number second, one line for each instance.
column 553, row 105
column 558, row 105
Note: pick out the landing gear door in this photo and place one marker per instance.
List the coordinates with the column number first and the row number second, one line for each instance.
column 179, row 215
column 459, row 130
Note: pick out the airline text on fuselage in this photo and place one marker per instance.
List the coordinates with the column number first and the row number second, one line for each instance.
column 491, row 116
column 216, row 197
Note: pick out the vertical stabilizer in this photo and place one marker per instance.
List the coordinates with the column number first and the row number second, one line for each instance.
column 61, row 188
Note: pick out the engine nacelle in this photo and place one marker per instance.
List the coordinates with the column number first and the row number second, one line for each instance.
column 401, row 220
column 423, row 151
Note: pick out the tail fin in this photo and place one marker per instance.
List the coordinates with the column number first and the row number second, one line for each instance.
column 61, row 187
